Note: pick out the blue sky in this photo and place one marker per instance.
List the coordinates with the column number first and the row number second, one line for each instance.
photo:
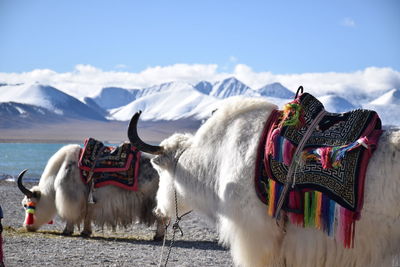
column 275, row 36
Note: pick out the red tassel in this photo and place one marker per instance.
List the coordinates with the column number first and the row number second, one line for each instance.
column 29, row 219
column 50, row 222
column 348, row 228
column 295, row 203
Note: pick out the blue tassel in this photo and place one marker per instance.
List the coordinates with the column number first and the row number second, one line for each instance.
column 332, row 206
column 325, row 213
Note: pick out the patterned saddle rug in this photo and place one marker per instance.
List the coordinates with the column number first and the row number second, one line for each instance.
column 106, row 165
column 314, row 162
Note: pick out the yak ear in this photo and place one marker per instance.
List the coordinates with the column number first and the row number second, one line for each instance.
column 161, row 161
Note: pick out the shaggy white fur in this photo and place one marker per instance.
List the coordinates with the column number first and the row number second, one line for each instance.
column 213, row 172
column 62, row 191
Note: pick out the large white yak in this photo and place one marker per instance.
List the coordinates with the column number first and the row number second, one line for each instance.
column 213, row 173
column 62, row 191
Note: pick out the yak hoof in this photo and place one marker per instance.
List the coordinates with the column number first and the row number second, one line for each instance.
column 158, row 238
column 86, row 233
column 66, row 233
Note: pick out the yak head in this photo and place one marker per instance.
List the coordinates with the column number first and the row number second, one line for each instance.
column 170, row 195
column 36, row 207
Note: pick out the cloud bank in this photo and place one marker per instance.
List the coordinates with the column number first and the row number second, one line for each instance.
column 87, row 80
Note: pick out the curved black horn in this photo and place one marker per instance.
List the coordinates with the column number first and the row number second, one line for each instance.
column 135, row 139
column 21, row 187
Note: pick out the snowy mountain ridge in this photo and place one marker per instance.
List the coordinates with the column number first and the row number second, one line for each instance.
column 49, row 98
column 175, row 100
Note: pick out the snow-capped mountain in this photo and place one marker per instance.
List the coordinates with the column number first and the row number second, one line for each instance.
column 172, row 101
column 23, row 110
column 94, row 106
column 275, row 90
column 49, row 98
column 14, row 114
column 337, row 104
column 204, row 87
column 114, row 97
column 231, row 87
column 176, row 101
column 390, row 98
column 387, row 106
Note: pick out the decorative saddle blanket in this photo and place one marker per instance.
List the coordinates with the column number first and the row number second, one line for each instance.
column 328, row 154
column 106, row 165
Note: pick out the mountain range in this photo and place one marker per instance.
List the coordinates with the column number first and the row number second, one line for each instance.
column 27, row 103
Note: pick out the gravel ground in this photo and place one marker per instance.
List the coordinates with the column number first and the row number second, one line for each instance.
column 123, row 247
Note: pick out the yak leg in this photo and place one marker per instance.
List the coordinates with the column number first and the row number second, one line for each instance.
column 160, row 232
column 69, row 228
column 87, row 223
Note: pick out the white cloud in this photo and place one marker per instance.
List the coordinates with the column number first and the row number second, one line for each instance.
column 348, row 22
column 370, row 80
column 87, row 80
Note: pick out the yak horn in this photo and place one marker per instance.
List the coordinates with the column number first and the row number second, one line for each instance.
column 21, row 187
column 135, row 139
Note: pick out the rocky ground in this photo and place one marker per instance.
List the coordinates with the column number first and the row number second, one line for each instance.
column 123, row 247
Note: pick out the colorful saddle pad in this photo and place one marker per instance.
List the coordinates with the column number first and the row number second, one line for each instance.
column 106, row 165
column 331, row 170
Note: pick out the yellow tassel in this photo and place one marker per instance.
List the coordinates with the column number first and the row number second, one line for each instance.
column 318, row 211
column 271, row 198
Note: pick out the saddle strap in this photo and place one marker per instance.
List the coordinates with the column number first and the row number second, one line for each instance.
column 295, row 162
column 97, row 158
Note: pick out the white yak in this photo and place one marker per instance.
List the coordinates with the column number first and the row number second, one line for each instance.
column 213, row 173
column 62, row 191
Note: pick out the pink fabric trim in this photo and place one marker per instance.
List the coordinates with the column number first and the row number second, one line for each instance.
column 262, row 149
column 288, row 151
column 269, row 144
column 373, row 139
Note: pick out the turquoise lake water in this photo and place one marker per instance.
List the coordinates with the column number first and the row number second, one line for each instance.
column 15, row 157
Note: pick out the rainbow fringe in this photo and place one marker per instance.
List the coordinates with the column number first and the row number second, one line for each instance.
column 318, row 212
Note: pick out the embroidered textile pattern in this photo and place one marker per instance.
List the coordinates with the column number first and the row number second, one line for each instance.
column 329, row 178
column 106, row 165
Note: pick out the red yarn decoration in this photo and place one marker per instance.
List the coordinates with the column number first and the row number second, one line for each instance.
column 29, row 219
